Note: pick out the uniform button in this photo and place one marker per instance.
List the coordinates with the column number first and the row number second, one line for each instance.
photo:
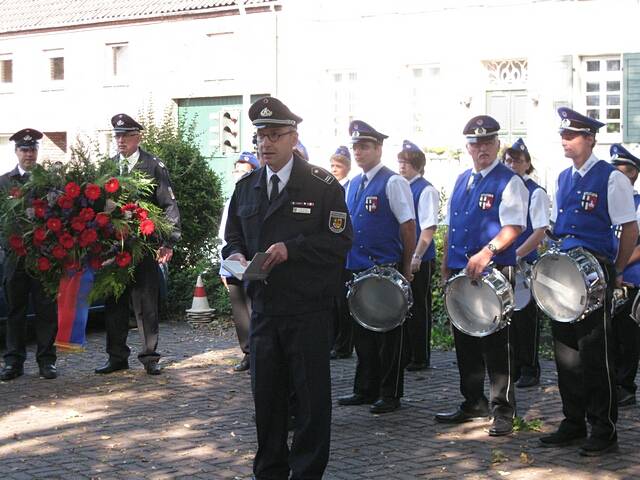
column 360, row 215
column 573, row 226
column 361, row 246
column 455, row 213
column 453, row 229
column 466, row 229
column 359, row 231
column 561, row 210
column 576, row 210
column 578, row 192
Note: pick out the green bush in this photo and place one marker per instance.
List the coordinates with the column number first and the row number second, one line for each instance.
column 198, row 190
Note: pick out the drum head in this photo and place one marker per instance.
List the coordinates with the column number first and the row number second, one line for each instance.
column 473, row 307
column 377, row 304
column 559, row 288
column 522, row 292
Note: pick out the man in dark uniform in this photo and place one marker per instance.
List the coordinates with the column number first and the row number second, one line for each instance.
column 18, row 284
column 381, row 206
column 625, row 329
column 487, row 211
column 591, row 197
column 143, row 293
column 296, row 213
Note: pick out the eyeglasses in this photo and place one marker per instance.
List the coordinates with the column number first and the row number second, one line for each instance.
column 515, row 161
column 273, row 137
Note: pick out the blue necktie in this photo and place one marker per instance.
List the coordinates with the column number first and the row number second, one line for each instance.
column 361, row 186
column 575, row 179
column 476, row 179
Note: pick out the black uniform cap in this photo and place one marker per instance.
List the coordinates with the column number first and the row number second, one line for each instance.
column 27, row 137
column 271, row 112
column 124, row 123
column 481, row 126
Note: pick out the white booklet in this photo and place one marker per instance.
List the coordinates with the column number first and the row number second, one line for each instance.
column 252, row 271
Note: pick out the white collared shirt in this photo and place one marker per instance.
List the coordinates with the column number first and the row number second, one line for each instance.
column 620, row 204
column 428, row 205
column 21, row 170
column 515, row 200
column 283, row 176
column 130, row 160
column 539, row 207
column 398, row 192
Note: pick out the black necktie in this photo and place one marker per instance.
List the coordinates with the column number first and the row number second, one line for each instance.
column 274, row 188
column 361, row 186
column 24, row 177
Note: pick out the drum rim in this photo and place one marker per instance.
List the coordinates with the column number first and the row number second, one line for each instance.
column 566, row 253
column 502, row 322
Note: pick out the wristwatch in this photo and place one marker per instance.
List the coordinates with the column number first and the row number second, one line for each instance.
column 492, row 248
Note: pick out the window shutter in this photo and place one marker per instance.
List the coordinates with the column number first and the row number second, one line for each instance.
column 631, row 96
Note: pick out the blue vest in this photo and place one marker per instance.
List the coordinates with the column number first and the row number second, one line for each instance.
column 582, row 215
column 417, row 186
column 474, row 218
column 376, row 230
column 531, row 186
column 631, row 272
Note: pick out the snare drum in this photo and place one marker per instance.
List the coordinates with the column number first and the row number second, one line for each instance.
column 379, row 298
column 522, row 290
column 568, row 286
column 479, row 307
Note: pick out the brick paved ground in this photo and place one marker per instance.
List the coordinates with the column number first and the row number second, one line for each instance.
column 194, row 421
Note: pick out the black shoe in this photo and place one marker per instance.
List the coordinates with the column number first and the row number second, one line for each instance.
column 9, row 372
column 626, row 398
column 355, row 399
column 563, row 439
column 153, row 368
column 243, row 365
column 460, row 416
column 112, row 366
column 501, row 426
column 385, row 405
column 594, row 447
column 527, row 381
column 416, row 366
column 48, row 371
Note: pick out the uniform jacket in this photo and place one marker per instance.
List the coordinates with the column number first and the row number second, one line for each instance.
column 531, row 257
column 310, row 217
column 631, row 272
column 162, row 195
column 9, row 179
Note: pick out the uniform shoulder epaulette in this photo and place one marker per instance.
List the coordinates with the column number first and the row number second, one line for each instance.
column 323, row 175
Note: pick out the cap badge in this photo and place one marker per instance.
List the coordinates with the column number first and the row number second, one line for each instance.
column 119, row 123
column 355, row 126
column 615, row 156
column 480, row 131
column 265, row 100
column 522, row 147
column 356, row 133
column 564, row 114
column 27, row 138
column 565, row 122
column 479, row 121
column 265, row 112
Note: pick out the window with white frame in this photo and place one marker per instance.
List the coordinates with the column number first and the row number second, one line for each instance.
column 117, row 61
column 54, row 61
column 6, row 69
column 344, row 99
column 602, row 91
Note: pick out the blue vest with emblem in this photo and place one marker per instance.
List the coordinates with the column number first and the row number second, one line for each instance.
column 531, row 186
column 376, row 229
column 417, row 186
column 631, row 272
column 582, row 211
column 474, row 218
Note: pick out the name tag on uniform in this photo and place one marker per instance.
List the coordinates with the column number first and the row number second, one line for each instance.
column 301, row 210
column 302, row 207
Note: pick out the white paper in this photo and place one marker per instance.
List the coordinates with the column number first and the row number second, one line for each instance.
column 252, row 271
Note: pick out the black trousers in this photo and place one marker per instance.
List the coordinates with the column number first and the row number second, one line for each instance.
column 584, row 353
column 419, row 322
column 342, row 328
column 142, row 295
column 627, row 345
column 525, row 328
column 17, row 290
column 493, row 354
column 288, row 355
column 241, row 311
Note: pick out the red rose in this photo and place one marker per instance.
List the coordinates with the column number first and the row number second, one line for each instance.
column 54, row 224
column 64, row 201
column 77, row 224
column 66, row 240
column 15, row 192
column 95, row 263
column 39, row 212
column 123, row 259
column 92, row 191
column 95, row 248
column 147, row 227
column 141, row 213
column 16, row 242
column 39, row 234
column 112, row 185
column 87, row 214
column 44, row 264
column 102, row 219
column 121, row 233
column 129, row 206
column 87, row 237
column 72, row 189
column 59, row 252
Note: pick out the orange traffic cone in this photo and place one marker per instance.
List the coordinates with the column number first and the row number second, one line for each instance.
column 200, row 312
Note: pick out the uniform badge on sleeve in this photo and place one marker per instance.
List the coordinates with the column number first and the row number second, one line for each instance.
column 337, row 221
column 589, row 201
column 486, row 201
column 371, row 204
column 617, row 231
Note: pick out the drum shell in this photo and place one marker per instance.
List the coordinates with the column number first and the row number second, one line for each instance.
column 379, row 298
column 522, row 290
column 493, row 286
column 579, row 286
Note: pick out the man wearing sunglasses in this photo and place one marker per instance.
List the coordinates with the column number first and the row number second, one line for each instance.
column 296, row 213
